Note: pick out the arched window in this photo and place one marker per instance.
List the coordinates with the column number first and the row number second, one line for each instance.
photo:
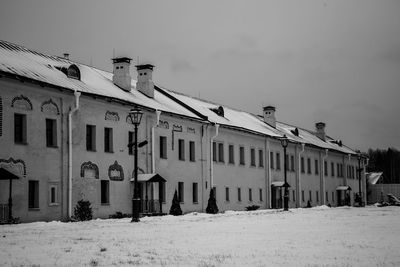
column 73, row 72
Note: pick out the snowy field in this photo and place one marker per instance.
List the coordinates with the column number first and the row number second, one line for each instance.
column 319, row 236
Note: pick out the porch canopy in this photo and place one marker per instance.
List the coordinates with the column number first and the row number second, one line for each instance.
column 6, row 175
column 280, row 184
column 343, row 188
column 150, row 178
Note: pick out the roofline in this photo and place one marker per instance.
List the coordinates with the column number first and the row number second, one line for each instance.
column 21, row 78
column 181, row 103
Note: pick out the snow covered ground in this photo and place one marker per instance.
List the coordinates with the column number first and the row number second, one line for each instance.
column 319, row 236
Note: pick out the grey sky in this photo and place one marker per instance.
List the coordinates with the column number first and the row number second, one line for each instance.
column 333, row 61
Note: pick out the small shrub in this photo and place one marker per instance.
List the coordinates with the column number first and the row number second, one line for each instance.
column 83, row 211
column 252, row 207
column 118, row 215
column 212, row 207
column 175, row 207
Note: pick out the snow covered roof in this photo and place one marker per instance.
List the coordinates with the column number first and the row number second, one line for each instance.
column 52, row 70
column 373, row 177
column 230, row 117
column 308, row 137
column 227, row 116
column 18, row 60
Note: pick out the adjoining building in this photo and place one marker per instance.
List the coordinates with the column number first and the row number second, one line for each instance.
column 64, row 132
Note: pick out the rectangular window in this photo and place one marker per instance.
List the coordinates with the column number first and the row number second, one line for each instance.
column 51, row 133
column 271, row 160
column 181, row 196
column 294, row 195
column 332, row 169
column 333, row 196
column 353, row 172
column 250, row 195
column 261, row 195
column 292, row 163
column 90, row 137
column 192, row 154
column 302, row 164
column 316, row 166
column 239, row 194
column 163, row 147
column 231, row 154
column 53, row 198
column 105, row 192
column 260, row 158
column 317, row 196
column 327, row 196
column 302, row 195
column 287, row 162
column 338, row 169
column 195, row 193
column 181, row 149
column 341, row 170
column 252, row 157
column 310, row 196
column 241, row 156
column 325, row 168
column 227, row 194
column 20, row 129
column 161, row 192
column 130, row 142
column 278, row 161
column 33, row 194
column 214, row 152
column 221, row 152
column 309, row 165
column 108, row 140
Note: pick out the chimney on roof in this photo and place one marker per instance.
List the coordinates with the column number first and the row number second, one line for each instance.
column 269, row 115
column 145, row 79
column 320, row 130
column 66, row 56
column 121, row 75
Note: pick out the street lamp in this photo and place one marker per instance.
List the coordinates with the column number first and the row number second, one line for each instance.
column 359, row 178
column 135, row 116
column 284, row 143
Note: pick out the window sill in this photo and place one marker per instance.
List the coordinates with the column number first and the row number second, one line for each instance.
column 109, row 152
column 195, row 203
column 181, row 159
column 192, row 161
column 21, row 143
column 105, row 204
column 52, row 146
column 33, row 209
column 53, row 204
column 89, row 150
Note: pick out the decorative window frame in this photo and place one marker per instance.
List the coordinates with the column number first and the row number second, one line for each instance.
column 112, row 116
column 116, row 168
column 89, row 166
column 53, row 110
column 22, row 99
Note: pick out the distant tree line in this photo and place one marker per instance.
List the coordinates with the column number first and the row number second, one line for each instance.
column 386, row 161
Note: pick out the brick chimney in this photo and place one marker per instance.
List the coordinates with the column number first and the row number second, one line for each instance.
column 121, row 75
column 269, row 115
column 320, row 130
column 145, row 79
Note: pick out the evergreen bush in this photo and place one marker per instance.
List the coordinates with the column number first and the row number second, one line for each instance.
column 175, row 207
column 83, row 211
column 252, row 207
column 212, row 207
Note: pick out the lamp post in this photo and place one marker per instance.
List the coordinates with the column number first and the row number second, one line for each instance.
column 135, row 116
column 359, row 178
column 284, row 143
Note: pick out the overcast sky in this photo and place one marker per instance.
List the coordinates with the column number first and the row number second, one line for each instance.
column 332, row 61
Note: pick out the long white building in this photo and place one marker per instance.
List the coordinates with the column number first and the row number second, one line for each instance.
column 64, row 131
